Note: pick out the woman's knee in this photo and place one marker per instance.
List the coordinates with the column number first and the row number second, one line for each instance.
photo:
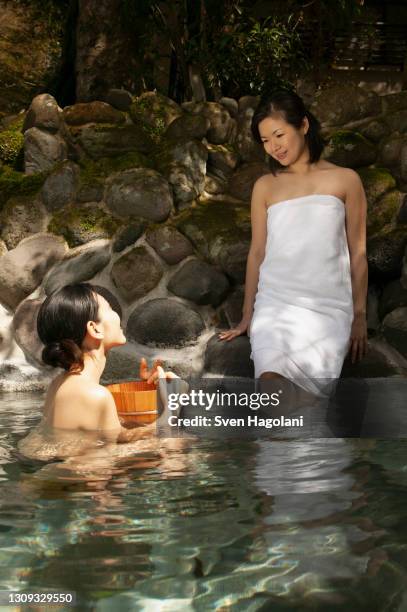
column 270, row 375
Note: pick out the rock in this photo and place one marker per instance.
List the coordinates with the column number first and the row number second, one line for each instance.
column 242, row 181
column 229, row 358
column 43, row 113
column 390, row 150
column 403, row 161
column 397, row 121
column 384, row 253
column 111, row 140
column 25, row 329
column 246, row 102
column 92, row 112
column 154, row 109
column 140, row 192
column 349, row 149
column 394, row 296
column 135, row 273
column 215, row 185
column 403, row 278
column 3, row 248
column 375, row 130
column 373, row 321
column 222, row 161
column 247, row 148
column 184, row 166
column 22, row 269
column 376, row 182
column 402, row 216
column 394, row 102
column 383, row 213
column 79, row 264
column 21, row 217
column 164, row 322
column 342, row 103
column 222, row 128
column 42, row 150
column 128, row 234
column 119, row 98
column 231, row 104
column 231, row 310
column 199, row 282
column 60, row 186
column 169, row 243
column 394, row 329
column 80, row 224
column 30, row 53
column 187, row 127
column 221, row 232
column 381, row 360
column 109, row 297
column 12, row 144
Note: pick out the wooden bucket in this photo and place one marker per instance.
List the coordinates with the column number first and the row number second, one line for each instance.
column 136, row 401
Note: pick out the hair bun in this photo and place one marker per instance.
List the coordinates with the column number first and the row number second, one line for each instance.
column 63, row 353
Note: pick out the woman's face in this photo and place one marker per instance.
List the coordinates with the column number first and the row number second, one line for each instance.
column 282, row 140
column 110, row 325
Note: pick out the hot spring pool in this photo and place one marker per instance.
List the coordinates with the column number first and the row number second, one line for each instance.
column 260, row 524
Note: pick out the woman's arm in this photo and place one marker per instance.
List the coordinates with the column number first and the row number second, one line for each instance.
column 356, row 212
column 109, row 423
column 255, row 257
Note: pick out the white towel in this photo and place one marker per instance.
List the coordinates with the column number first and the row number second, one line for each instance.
column 303, row 309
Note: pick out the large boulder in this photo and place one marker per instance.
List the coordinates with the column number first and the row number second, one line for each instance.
column 199, row 282
column 60, row 186
column 349, row 149
column 21, row 217
column 169, row 243
column 164, row 322
column 80, row 224
column 385, row 253
column 242, row 181
column 222, row 128
column 78, row 265
column 394, row 328
column 247, row 148
column 42, row 150
column 135, row 273
column 383, row 213
column 231, row 310
column 184, row 166
column 394, row 296
column 229, row 358
column 376, row 182
column 221, row 232
column 119, row 98
column 92, row 112
column 187, row 127
column 106, row 140
column 43, row 113
column 140, row 192
column 343, row 103
column 127, row 234
column 155, row 112
column 22, row 269
column 390, row 150
column 222, row 160
column 381, row 360
column 25, row 329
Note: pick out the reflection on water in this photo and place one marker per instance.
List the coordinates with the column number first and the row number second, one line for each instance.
column 204, row 525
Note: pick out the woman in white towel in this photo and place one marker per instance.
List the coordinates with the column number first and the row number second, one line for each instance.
column 307, row 274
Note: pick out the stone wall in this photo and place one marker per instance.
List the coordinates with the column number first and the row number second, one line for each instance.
column 150, row 201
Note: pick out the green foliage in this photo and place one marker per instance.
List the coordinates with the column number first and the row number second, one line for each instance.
column 251, row 57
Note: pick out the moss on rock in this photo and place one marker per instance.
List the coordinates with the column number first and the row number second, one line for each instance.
column 81, row 224
column 376, row 182
column 13, row 183
column 12, row 142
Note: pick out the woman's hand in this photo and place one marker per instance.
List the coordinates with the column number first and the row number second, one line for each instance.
column 235, row 331
column 149, row 375
column 358, row 337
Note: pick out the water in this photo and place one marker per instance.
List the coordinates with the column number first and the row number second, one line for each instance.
column 247, row 525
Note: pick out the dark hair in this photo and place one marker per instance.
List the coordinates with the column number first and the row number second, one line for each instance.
column 293, row 110
column 61, row 325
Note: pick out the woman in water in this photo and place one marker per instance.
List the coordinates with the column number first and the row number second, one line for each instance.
column 78, row 328
column 307, row 274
